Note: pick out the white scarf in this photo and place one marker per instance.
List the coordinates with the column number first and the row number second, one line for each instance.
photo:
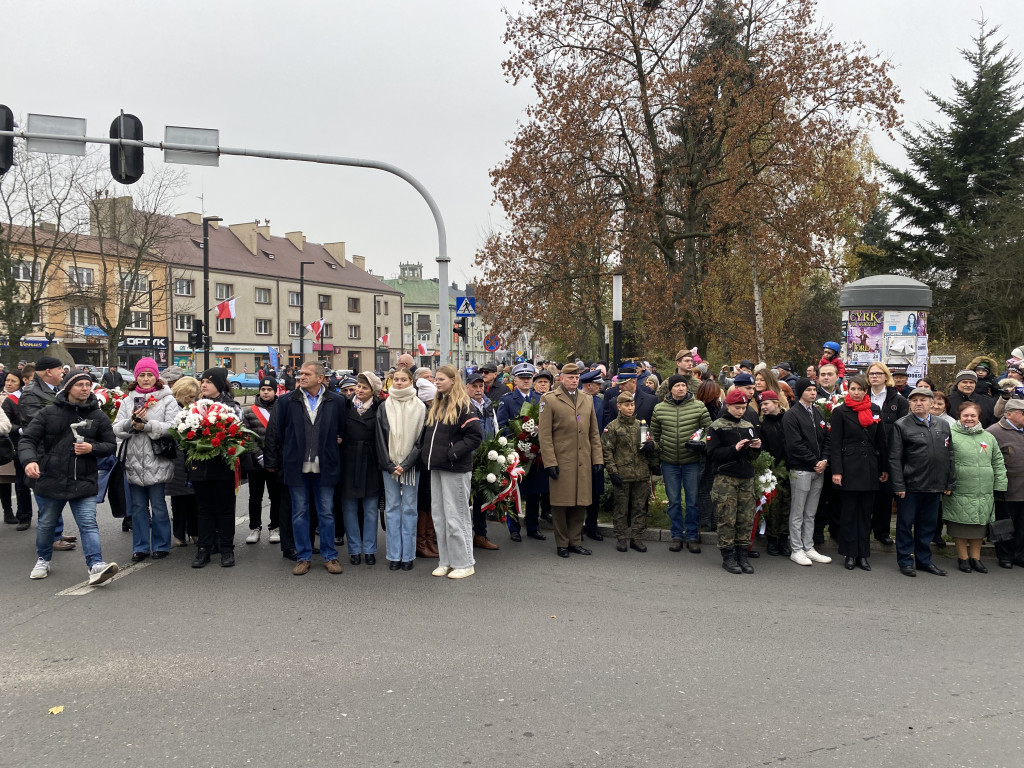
column 406, row 415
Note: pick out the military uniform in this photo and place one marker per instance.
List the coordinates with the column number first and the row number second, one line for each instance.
column 624, row 460
column 733, row 488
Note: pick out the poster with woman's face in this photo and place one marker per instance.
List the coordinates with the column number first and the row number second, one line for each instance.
column 906, row 323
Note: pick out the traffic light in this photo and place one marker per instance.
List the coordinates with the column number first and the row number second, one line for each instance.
column 195, row 336
column 126, row 165
column 459, row 329
column 6, row 142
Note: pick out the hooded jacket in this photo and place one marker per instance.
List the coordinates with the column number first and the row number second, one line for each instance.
column 49, row 442
column 449, row 447
column 673, row 423
column 980, row 471
column 987, row 386
column 142, row 466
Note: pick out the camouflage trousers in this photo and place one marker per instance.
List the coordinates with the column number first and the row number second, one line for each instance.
column 777, row 516
column 629, row 518
column 734, row 505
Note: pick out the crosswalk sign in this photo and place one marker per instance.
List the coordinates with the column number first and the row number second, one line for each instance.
column 465, row 306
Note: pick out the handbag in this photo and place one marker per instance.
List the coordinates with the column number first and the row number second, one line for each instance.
column 6, row 450
column 116, row 487
column 165, row 446
column 1000, row 530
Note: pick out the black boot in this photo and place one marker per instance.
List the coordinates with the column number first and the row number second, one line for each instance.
column 773, row 547
column 729, row 561
column 227, row 558
column 784, row 549
column 202, row 557
column 741, row 558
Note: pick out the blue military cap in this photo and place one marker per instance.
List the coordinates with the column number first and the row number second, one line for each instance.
column 590, row 376
column 627, row 371
column 524, row 369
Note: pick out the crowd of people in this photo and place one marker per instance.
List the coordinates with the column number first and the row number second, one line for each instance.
column 336, row 458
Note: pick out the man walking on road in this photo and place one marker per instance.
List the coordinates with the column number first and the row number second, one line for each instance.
column 922, row 470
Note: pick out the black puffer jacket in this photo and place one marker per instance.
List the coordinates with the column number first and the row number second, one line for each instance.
column 449, row 447
column 36, row 396
column 773, row 436
column 252, row 420
column 49, row 442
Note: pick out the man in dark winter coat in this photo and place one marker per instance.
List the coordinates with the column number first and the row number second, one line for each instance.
column 257, row 418
column 644, row 399
column 964, row 391
column 310, row 424
column 59, row 450
column 112, row 378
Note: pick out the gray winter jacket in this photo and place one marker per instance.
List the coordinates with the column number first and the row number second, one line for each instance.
column 142, row 466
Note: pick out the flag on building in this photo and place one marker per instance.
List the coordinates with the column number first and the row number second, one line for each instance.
column 421, row 349
column 226, row 310
column 316, row 328
column 383, row 340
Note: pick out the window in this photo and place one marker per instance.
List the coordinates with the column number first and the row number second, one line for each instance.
column 263, row 296
column 262, row 327
column 327, row 331
column 353, row 330
column 385, row 307
column 382, row 307
column 422, row 322
column 407, row 319
column 184, row 287
column 294, row 299
column 294, row 327
column 324, row 301
column 80, row 277
column 134, row 282
column 139, row 321
column 37, row 316
column 353, row 304
column 79, row 316
column 224, row 291
column 183, row 322
column 225, row 325
column 25, row 270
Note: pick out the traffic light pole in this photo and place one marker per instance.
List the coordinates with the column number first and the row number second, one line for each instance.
column 442, row 237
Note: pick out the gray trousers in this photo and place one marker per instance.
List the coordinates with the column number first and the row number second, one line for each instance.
column 453, row 517
column 805, row 487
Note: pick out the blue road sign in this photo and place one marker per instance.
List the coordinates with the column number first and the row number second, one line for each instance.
column 465, row 306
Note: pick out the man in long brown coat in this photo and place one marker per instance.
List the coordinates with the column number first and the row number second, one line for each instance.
column 570, row 445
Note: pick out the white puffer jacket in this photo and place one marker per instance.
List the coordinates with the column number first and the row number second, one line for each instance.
column 142, row 466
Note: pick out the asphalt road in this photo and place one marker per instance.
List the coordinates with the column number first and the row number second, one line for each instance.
column 656, row 659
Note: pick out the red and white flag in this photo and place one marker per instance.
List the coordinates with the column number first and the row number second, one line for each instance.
column 422, row 349
column 383, row 340
column 316, row 327
column 226, row 310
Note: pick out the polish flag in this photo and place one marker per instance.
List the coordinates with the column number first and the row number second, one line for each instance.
column 383, row 340
column 316, row 327
column 226, row 310
column 422, row 349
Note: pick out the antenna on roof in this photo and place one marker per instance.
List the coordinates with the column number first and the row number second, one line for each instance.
column 266, row 222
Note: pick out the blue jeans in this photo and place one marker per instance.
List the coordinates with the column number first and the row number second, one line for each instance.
column 367, row 543
column 84, row 510
column 400, row 519
column 143, row 497
column 916, row 516
column 683, row 480
column 323, row 497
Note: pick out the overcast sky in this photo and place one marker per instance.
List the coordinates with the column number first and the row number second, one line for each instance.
column 416, row 83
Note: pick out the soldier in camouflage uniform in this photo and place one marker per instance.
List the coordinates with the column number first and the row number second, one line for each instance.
column 629, row 468
column 733, row 443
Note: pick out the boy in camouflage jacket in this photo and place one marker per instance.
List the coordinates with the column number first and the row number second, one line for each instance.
column 629, row 468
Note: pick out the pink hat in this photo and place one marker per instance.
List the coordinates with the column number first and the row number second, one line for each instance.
column 147, row 364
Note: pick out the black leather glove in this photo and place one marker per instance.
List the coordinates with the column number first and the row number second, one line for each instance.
column 553, row 472
column 647, row 447
column 616, row 480
column 598, row 468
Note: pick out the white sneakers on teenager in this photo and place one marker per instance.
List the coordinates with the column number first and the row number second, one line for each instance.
column 275, row 536
column 254, row 536
column 461, row 573
column 441, row 570
column 814, row 557
column 800, row 557
column 41, row 570
column 101, row 572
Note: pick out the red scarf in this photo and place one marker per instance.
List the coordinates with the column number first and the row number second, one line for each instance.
column 862, row 408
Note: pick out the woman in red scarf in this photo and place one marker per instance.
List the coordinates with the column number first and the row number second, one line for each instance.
column 859, row 460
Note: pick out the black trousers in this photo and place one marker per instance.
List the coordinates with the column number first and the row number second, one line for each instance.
column 184, row 517
column 1013, row 549
column 479, row 518
column 881, row 515
column 533, row 503
column 258, row 481
column 856, row 508
column 22, row 492
column 215, row 511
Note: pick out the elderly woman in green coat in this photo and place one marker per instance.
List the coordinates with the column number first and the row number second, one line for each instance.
column 980, row 474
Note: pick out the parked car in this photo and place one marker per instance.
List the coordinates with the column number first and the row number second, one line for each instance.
column 129, row 376
column 244, row 380
column 94, row 374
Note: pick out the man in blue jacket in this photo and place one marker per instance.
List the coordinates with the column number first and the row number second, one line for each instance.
column 512, row 403
column 310, row 427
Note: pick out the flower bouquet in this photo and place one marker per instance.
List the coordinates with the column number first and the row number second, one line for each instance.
column 496, row 475
column 767, row 475
column 525, row 430
column 109, row 399
column 207, row 430
column 828, row 404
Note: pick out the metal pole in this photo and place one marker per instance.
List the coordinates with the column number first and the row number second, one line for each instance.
column 302, row 309
column 613, row 364
column 206, row 288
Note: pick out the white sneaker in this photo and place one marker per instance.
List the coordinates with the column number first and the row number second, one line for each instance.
column 441, row 570
column 254, row 536
column 275, row 536
column 813, row 555
column 41, row 570
column 178, row 542
column 101, row 572
column 800, row 557
column 461, row 573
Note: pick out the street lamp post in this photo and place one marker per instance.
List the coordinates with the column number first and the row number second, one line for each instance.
column 152, row 323
column 206, row 287
column 302, row 308
column 375, row 336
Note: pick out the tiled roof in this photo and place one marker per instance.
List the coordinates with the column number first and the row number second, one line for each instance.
column 419, row 291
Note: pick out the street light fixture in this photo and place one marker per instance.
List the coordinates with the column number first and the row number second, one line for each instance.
column 302, row 308
column 206, row 287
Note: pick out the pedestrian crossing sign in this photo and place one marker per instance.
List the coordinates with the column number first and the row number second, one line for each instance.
column 465, row 306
